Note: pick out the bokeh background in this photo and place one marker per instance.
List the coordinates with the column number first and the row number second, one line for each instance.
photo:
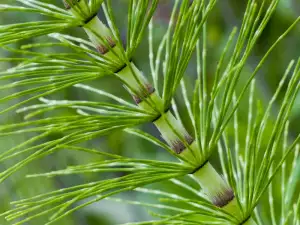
column 226, row 15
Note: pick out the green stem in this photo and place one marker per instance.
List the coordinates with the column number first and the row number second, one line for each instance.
column 212, row 183
column 217, row 190
column 173, row 132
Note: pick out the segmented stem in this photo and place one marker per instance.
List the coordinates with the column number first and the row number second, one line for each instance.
column 173, row 132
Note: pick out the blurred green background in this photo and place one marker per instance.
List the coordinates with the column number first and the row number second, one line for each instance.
column 226, row 15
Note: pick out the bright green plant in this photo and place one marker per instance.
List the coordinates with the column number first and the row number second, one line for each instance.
column 249, row 167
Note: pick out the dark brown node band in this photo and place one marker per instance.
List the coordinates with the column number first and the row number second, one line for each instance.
column 222, row 199
column 179, row 146
column 144, row 95
column 103, row 49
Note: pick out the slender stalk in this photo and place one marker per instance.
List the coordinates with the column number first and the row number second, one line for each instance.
column 173, row 132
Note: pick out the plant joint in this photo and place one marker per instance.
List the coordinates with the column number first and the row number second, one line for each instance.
column 149, row 91
column 173, row 132
column 143, row 90
column 160, row 115
column 223, row 198
column 121, row 68
column 215, row 187
column 199, row 167
column 102, row 49
column 89, row 19
column 179, row 146
column 245, row 220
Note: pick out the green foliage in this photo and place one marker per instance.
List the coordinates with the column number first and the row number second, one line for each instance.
column 250, row 159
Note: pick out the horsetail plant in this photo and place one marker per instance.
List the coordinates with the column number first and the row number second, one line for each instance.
column 249, row 167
